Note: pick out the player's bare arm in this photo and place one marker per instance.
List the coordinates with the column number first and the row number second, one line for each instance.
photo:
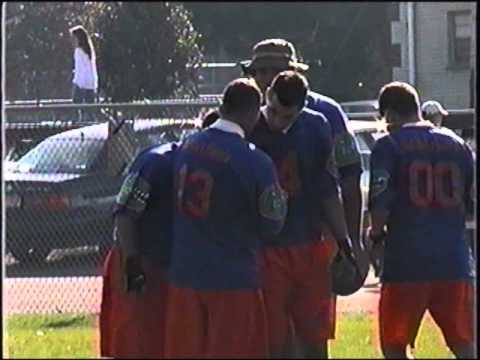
column 352, row 203
column 126, row 232
column 126, row 229
column 334, row 215
column 347, row 158
column 130, row 205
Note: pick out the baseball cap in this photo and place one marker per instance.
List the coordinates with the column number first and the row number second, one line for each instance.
column 273, row 53
column 432, row 107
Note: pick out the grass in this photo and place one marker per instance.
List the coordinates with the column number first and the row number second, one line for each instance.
column 75, row 336
column 357, row 337
column 52, row 336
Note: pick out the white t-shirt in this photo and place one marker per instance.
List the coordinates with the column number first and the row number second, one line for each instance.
column 85, row 72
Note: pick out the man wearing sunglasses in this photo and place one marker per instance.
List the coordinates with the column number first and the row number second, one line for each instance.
column 270, row 57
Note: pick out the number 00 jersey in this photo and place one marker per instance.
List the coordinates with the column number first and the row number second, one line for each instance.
column 423, row 176
column 227, row 198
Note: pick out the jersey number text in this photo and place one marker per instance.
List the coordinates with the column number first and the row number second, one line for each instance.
column 438, row 185
column 194, row 190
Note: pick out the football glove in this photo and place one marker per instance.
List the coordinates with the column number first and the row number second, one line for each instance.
column 134, row 275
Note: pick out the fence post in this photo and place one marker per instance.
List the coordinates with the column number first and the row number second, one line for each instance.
column 120, row 144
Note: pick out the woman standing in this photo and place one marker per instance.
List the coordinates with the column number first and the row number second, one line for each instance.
column 85, row 79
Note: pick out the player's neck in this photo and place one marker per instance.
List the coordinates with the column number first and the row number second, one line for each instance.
column 417, row 121
column 229, row 125
column 411, row 120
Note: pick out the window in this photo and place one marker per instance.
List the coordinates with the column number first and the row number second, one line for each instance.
column 459, row 38
column 60, row 155
column 393, row 11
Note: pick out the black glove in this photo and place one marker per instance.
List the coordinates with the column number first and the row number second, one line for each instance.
column 134, row 275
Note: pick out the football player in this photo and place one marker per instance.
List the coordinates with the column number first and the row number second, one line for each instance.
column 134, row 292
column 272, row 56
column 297, row 265
column 421, row 179
column 227, row 200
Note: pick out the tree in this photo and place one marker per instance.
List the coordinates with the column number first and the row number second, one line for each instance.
column 344, row 43
column 145, row 50
column 39, row 54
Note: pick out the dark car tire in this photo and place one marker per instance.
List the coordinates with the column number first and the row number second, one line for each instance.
column 31, row 256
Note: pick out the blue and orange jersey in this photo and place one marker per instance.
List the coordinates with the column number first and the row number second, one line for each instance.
column 304, row 160
column 228, row 199
column 423, row 176
column 346, row 149
column 146, row 196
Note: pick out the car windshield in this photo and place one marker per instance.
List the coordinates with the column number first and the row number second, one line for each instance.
column 67, row 155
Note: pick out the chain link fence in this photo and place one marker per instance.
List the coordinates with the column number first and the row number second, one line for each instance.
column 63, row 168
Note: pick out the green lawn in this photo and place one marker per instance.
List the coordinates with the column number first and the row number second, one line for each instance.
column 53, row 336
column 357, row 337
column 64, row 336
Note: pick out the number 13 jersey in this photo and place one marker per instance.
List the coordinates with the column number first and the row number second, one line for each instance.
column 423, row 176
column 227, row 199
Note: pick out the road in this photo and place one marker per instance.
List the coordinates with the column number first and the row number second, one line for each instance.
column 70, row 282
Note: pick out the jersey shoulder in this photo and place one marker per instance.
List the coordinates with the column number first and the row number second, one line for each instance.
column 153, row 156
column 331, row 109
column 449, row 133
column 314, row 120
column 312, row 114
column 164, row 148
column 321, row 102
column 257, row 155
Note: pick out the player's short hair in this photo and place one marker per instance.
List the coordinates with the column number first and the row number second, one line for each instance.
column 291, row 88
column 240, row 96
column 399, row 97
column 209, row 118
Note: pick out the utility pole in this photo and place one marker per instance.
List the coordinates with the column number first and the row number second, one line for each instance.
column 473, row 62
column 411, row 42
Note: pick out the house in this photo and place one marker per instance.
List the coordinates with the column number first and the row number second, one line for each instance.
column 437, row 48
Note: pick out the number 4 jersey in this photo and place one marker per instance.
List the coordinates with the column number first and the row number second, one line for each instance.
column 423, row 176
column 227, row 198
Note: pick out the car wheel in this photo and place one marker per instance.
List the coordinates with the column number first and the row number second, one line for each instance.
column 30, row 256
